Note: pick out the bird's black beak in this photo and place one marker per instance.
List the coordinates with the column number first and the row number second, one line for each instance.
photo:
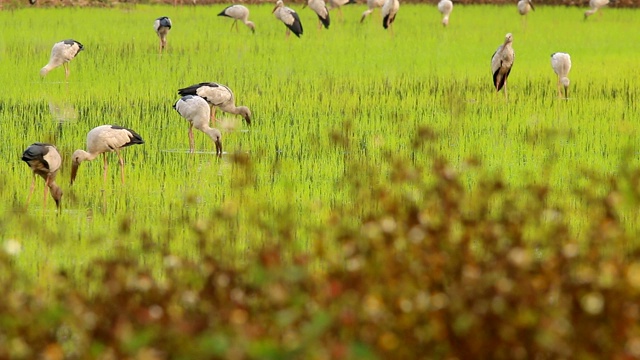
column 219, row 148
column 248, row 119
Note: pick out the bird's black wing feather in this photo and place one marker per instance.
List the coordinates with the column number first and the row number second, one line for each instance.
column 193, row 89
column 134, row 138
column 36, row 151
column 223, row 12
column 296, row 27
column 325, row 21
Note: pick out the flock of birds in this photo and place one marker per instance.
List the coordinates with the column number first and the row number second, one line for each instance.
column 198, row 102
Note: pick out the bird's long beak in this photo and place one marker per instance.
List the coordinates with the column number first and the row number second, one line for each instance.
column 531, row 4
column 219, row 148
column 566, row 92
column 248, row 119
column 274, row 9
column 74, row 172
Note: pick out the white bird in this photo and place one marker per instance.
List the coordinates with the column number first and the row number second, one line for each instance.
column 61, row 53
column 238, row 12
column 319, row 7
column 595, row 5
column 371, row 5
column 196, row 110
column 561, row 64
column 44, row 160
column 101, row 140
column 501, row 63
column 524, row 6
column 445, row 7
column 289, row 17
column 217, row 95
column 337, row 4
column 389, row 12
column 162, row 25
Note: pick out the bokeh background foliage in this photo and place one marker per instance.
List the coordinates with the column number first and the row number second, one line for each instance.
column 384, row 204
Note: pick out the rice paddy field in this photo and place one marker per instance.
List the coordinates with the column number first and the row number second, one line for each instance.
column 339, row 115
column 321, row 105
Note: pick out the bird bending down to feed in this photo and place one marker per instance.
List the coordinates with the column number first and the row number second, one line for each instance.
column 196, row 110
column 217, row 95
column 524, row 6
column 238, row 12
column 44, row 160
column 319, row 7
column 445, row 7
column 289, row 17
column 101, row 140
column 371, row 5
column 501, row 63
column 389, row 11
column 61, row 53
column 162, row 25
column 561, row 64
column 595, row 5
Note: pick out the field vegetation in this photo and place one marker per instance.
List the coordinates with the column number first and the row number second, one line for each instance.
column 384, row 203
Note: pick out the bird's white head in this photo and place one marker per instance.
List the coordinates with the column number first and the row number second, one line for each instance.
column 508, row 38
column 445, row 21
column 251, row 26
column 245, row 113
column 77, row 157
column 279, row 3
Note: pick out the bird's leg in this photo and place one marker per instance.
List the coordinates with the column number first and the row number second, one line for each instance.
column 104, row 168
column 213, row 115
column 33, row 185
column 121, row 160
column 559, row 85
column 66, row 70
column 191, row 142
column 288, row 32
column 233, row 23
column 46, row 190
column 319, row 24
column 505, row 90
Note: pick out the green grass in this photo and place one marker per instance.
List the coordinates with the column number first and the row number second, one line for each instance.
column 321, row 105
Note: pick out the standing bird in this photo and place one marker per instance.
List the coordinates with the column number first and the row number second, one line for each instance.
column 501, row 63
column 371, row 5
column 238, row 12
column 61, row 53
column 561, row 64
column 217, row 95
column 389, row 11
column 44, row 160
column 196, row 110
column 445, row 7
column 524, row 6
column 595, row 5
column 289, row 17
column 337, row 4
column 103, row 139
column 162, row 25
column 319, row 7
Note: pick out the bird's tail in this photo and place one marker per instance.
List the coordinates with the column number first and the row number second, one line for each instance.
column 325, row 21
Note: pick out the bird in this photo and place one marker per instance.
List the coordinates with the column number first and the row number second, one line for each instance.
column 289, row 17
column 337, row 4
column 561, row 64
column 445, row 7
column 389, row 11
column 217, row 95
column 371, row 5
column 32, row 2
column 595, row 5
column 196, row 110
column 101, row 140
column 524, row 6
column 319, row 7
column 162, row 25
column 44, row 160
column 501, row 63
column 61, row 53
column 238, row 12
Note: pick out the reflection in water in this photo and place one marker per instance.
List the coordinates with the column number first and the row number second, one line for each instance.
column 62, row 113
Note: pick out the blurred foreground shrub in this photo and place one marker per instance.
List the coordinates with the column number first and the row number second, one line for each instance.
column 438, row 271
